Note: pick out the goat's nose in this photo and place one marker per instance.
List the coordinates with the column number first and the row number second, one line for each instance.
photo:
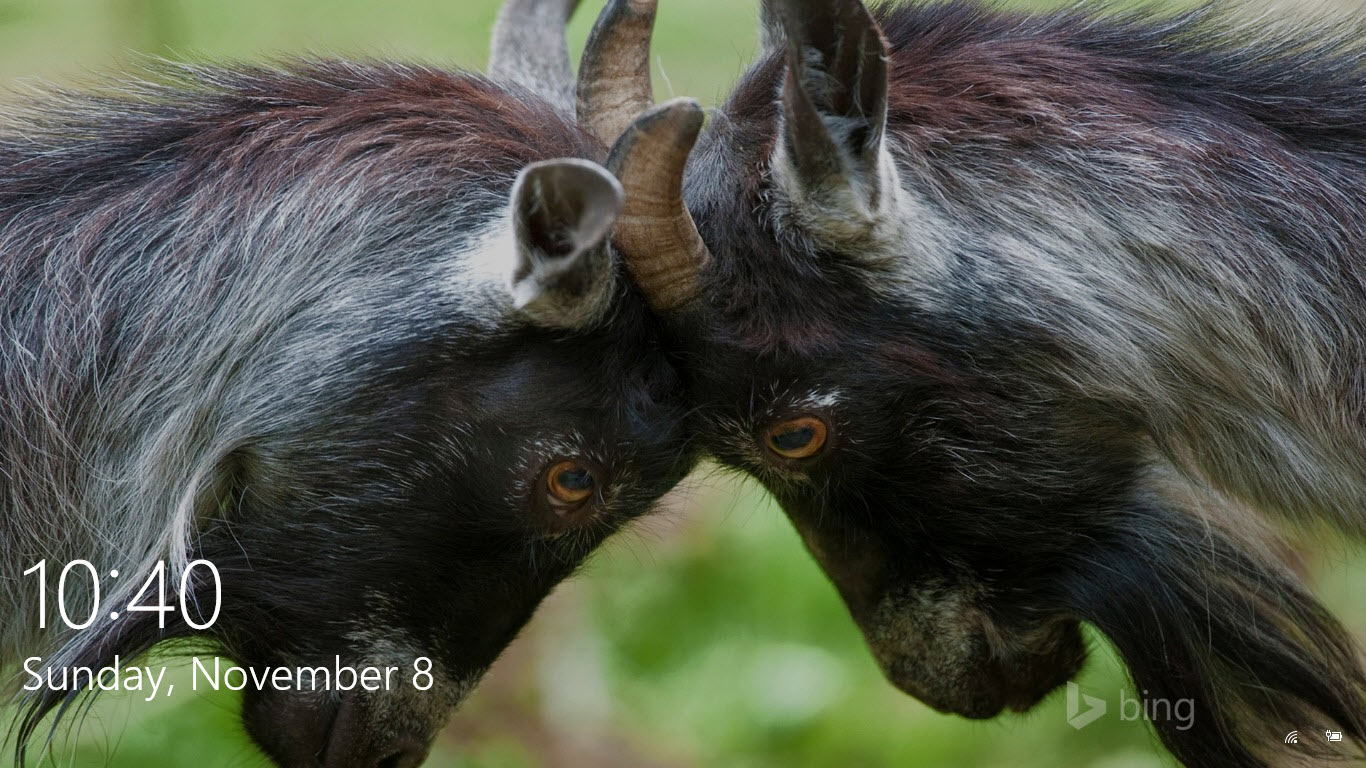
column 404, row 755
column 379, row 753
column 359, row 739
column 309, row 732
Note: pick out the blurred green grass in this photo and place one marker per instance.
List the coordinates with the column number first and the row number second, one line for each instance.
column 703, row 637
column 702, row 44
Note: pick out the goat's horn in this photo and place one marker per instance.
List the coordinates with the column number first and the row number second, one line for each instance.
column 614, row 74
column 655, row 234
column 529, row 48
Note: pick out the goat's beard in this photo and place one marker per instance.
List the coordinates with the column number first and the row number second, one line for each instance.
column 1199, row 616
column 129, row 640
column 42, row 715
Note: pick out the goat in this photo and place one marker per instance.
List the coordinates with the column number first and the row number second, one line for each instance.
column 1013, row 313
column 351, row 333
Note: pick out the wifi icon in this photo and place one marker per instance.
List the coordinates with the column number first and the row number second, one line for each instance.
column 1292, row 738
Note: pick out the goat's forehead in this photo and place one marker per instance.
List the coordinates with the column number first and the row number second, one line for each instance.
column 821, row 398
column 768, row 400
column 474, row 274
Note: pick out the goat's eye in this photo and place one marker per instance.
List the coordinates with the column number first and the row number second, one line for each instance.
column 569, row 484
column 799, row 438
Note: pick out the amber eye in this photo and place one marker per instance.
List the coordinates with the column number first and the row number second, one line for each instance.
column 799, row 438
column 569, row 484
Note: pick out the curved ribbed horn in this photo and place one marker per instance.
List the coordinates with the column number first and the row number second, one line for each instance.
column 614, row 74
column 655, row 234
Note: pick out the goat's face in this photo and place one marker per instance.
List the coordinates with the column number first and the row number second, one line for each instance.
column 848, row 341
column 904, row 485
column 431, row 500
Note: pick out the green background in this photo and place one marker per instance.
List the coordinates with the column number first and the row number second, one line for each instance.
column 702, row 637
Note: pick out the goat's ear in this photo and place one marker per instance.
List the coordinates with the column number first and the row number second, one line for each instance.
column 770, row 29
column 562, row 215
column 831, row 159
